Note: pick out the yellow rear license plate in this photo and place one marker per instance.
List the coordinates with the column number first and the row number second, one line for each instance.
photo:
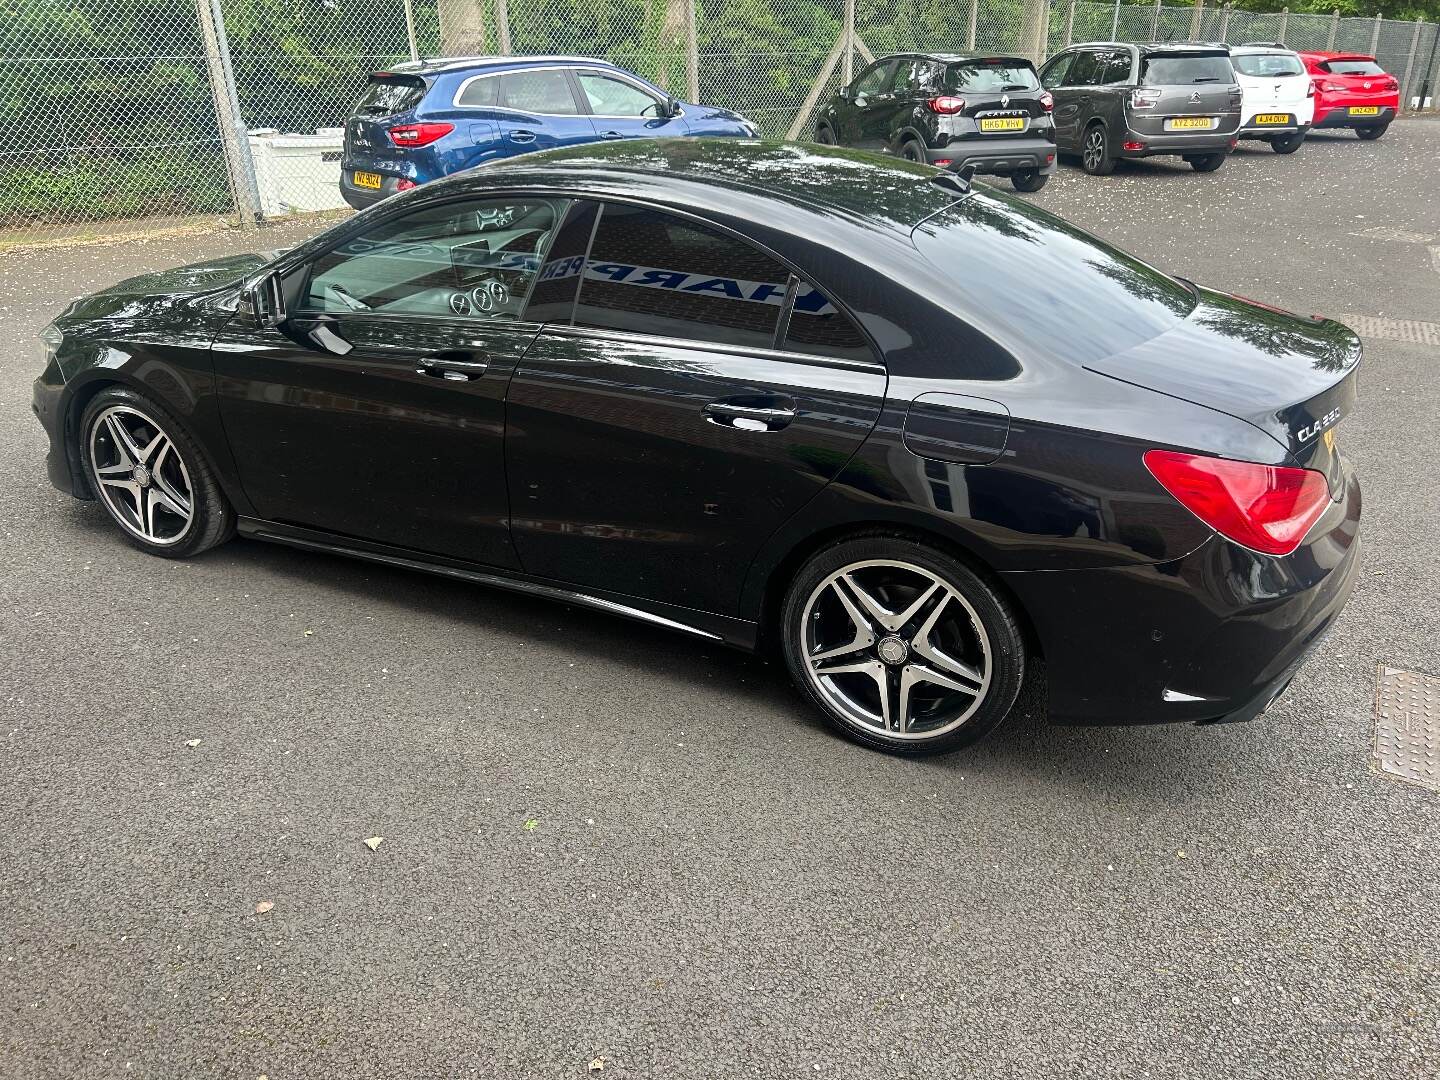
column 1364, row 110
column 367, row 179
column 1185, row 123
column 1273, row 118
column 1003, row 123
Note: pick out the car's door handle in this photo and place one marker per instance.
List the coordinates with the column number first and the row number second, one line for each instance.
column 750, row 417
column 452, row 369
column 522, row 136
column 611, row 135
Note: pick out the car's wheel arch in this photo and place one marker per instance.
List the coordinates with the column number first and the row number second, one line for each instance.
column 904, row 135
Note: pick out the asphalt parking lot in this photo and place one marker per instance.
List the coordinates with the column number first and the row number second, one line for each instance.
column 603, row 842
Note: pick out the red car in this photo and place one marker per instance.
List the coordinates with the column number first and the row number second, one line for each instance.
column 1352, row 90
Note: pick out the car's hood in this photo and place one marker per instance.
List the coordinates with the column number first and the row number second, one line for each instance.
column 197, row 277
column 1289, row 375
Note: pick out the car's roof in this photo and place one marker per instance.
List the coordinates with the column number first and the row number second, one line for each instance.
column 437, row 65
column 1262, row 48
column 961, row 58
column 1158, row 46
column 1337, row 56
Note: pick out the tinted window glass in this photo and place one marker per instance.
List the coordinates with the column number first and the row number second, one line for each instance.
column 910, row 75
column 871, row 81
column 1114, row 67
column 989, row 78
column 1040, row 286
column 652, row 273
column 470, row 259
column 1184, row 70
column 613, row 97
column 388, row 96
column 553, row 297
column 1085, row 71
column 819, row 328
column 1353, row 67
column 481, row 92
column 1267, row 65
column 537, row 92
column 1056, row 71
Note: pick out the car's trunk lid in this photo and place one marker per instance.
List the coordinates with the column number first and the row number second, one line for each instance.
column 1178, row 89
column 1290, row 375
column 388, row 99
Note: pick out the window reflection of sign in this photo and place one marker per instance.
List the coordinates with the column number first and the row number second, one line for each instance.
column 807, row 300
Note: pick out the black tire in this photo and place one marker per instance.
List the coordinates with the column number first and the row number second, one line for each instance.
column 211, row 518
column 1370, row 134
column 813, row 610
column 1029, row 180
column 1095, row 156
column 1287, row 144
column 824, row 136
column 911, row 150
column 1206, row 162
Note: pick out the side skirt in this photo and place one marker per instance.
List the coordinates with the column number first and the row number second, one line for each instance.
column 737, row 633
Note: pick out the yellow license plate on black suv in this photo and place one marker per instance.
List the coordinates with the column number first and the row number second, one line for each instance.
column 1273, row 118
column 1364, row 110
column 1188, row 123
column 1003, row 123
column 367, row 179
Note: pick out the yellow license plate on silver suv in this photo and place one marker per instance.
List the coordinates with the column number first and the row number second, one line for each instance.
column 1189, row 123
column 1003, row 123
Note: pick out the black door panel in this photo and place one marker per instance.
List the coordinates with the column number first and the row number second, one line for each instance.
column 658, row 470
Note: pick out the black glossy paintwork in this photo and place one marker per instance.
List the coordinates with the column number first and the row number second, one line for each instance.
column 587, row 460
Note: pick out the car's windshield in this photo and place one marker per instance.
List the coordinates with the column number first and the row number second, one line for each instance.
column 1184, row 70
column 983, row 77
column 1033, row 281
column 1354, row 67
column 1267, row 65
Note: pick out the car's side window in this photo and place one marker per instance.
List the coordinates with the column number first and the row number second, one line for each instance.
column 471, row 259
column 538, row 92
column 480, row 92
column 609, row 96
column 870, row 82
column 1054, row 73
column 1085, row 71
column 816, row 326
column 909, row 74
column 1115, row 65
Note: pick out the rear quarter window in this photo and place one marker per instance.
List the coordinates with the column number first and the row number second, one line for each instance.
column 989, row 78
column 388, row 95
column 1041, row 287
column 1184, row 70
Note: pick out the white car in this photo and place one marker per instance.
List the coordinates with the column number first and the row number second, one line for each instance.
column 1279, row 102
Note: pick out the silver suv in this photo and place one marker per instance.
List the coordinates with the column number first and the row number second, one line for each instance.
column 1115, row 100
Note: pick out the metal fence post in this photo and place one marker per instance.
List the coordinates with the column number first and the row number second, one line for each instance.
column 502, row 27
column 1070, row 24
column 1409, row 66
column 1284, row 21
column 1195, row 18
column 847, row 36
column 692, row 50
column 234, row 139
column 1375, row 35
column 1225, row 23
column 410, row 30
column 974, row 15
column 1334, row 26
column 1155, row 22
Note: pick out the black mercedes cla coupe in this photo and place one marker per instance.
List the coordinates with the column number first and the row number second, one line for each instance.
column 910, row 435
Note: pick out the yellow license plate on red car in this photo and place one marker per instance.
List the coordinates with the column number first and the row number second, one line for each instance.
column 1188, row 123
column 1003, row 123
column 1364, row 110
column 1273, row 118
column 367, row 179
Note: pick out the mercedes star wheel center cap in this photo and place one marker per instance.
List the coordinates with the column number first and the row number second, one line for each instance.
column 892, row 650
column 142, row 475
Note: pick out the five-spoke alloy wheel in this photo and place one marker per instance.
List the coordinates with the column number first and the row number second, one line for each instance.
column 150, row 477
column 901, row 645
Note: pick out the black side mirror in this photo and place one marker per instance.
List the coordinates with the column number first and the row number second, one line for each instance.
column 265, row 300
column 672, row 108
column 845, row 94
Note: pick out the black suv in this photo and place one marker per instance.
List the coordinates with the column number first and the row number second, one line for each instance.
column 987, row 111
column 1115, row 100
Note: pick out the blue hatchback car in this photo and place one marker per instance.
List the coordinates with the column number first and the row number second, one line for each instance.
column 425, row 119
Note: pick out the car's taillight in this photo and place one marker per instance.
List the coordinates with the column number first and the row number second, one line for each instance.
column 1047, row 101
column 1390, row 84
column 1144, row 99
column 947, row 106
column 1332, row 87
column 1310, row 90
column 419, row 134
column 405, row 185
column 1267, row 508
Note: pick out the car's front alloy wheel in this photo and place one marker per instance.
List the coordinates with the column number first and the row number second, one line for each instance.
column 150, row 476
column 902, row 646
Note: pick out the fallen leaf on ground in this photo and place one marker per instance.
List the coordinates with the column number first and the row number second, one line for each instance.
column 309, row 632
column 264, row 906
column 192, row 742
column 597, row 1065
column 531, row 824
column 374, row 842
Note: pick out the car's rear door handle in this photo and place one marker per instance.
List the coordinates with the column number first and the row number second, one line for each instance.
column 750, row 417
column 452, row 369
column 522, row 136
column 611, row 135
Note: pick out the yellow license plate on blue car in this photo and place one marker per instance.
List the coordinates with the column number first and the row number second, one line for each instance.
column 368, row 180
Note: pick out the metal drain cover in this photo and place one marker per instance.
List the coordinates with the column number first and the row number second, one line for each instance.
column 1412, row 330
column 1407, row 726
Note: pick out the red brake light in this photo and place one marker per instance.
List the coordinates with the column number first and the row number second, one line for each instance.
column 1144, row 99
column 405, row 185
column 947, row 106
column 419, row 134
column 1047, row 101
column 1332, row 87
column 1266, row 508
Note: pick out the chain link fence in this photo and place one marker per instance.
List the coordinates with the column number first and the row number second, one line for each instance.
column 115, row 111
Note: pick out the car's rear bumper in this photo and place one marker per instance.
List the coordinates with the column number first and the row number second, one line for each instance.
column 1250, row 130
column 1214, row 636
column 1339, row 117
column 997, row 158
column 361, row 197
column 1168, row 142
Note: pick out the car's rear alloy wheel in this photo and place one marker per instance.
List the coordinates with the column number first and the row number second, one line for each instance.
column 1095, row 152
column 1289, row 143
column 1369, row 133
column 902, row 646
column 1028, row 179
column 824, row 137
column 1206, row 162
column 151, row 478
